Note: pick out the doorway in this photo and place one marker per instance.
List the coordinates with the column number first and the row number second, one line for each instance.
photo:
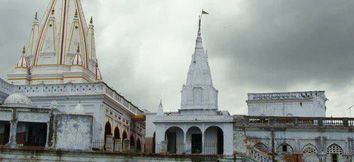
column 196, row 143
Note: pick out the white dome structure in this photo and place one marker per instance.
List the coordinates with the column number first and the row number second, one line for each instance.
column 18, row 100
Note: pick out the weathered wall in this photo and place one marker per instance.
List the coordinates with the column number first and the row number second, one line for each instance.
column 14, row 155
column 298, row 139
column 73, row 132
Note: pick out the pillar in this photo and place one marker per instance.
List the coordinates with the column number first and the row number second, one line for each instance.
column 322, row 156
column 13, row 133
column 228, row 138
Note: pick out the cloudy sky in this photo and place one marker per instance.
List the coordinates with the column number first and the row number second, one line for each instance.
column 145, row 46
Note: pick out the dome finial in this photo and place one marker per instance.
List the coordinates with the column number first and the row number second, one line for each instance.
column 24, row 50
column 36, row 16
column 78, row 48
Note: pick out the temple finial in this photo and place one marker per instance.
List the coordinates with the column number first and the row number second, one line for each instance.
column 160, row 111
column 200, row 22
column 91, row 20
column 24, row 50
column 78, row 48
column 36, row 16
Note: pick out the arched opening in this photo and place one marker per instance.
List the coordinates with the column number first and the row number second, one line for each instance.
column 174, row 137
column 125, row 141
column 309, row 153
column 4, row 132
column 195, row 139
column 138, row 145
column 261, row 152
column 125, row 135
column 285, row 148
column 335, row 152
column 116, row 133
column 214, row 140
column 132, row 143
column 107, row 136
column 154, row 143
column 116, row 144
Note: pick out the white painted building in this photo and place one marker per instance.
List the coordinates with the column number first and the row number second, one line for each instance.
column 305, row 104
column 59, row 65
column 198, row 127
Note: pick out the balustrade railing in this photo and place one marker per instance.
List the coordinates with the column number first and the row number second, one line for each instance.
column 294, row 121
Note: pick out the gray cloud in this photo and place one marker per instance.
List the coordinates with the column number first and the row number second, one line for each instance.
column 144, row 47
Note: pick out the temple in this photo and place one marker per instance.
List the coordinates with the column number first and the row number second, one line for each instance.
column 57, row 95
column 61, row 48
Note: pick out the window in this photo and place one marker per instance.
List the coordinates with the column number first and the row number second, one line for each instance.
column 301, row 104
column 284, row 148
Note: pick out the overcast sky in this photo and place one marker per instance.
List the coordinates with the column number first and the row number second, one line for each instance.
column 144, row 47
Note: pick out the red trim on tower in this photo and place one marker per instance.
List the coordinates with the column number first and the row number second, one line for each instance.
column 83, row 32
column 42, row 32
column 63, row 33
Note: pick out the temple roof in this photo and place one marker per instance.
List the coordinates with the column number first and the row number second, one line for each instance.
column 53, row 45
column 199, row 70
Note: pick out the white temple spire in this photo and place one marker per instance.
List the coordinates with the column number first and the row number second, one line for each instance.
column 160, row 111
column 199, row 92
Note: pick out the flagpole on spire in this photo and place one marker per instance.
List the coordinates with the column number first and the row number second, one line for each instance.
column 200, row 20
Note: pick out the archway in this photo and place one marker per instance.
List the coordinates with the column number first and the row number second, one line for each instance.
column 174, row 137
column 195, row 140
column 154, row 143
column 214, row 140
column 107, row 136
column 132, row 144
column 138, row 145
column 125, row 135
column 335, row 152
column 125, row 141
column 4, row 132
column 309, row 153
column 261, row 152
column 285, row 148
column 116, row 144
column 116, row 133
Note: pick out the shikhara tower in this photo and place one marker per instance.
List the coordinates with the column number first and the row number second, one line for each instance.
column 198, row 127
column 198, row 92
column 61, row 48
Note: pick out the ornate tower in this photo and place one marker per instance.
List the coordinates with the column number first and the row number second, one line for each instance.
column 61, row 47
column 199, row 93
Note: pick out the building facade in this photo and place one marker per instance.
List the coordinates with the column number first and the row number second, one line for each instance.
column 198, row 127
column 59, row 65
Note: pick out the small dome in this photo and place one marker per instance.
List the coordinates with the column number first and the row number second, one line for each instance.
column 18, row 100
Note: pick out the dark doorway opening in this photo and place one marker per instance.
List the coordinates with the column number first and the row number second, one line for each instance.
column 31, row 134
column 334, row 157
column 132, row 144
column 4, row 133
column 153, row 143
column 171, row 142
column 196, row 143
column 107, row 134
column 220, row 141
column 138, row 146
